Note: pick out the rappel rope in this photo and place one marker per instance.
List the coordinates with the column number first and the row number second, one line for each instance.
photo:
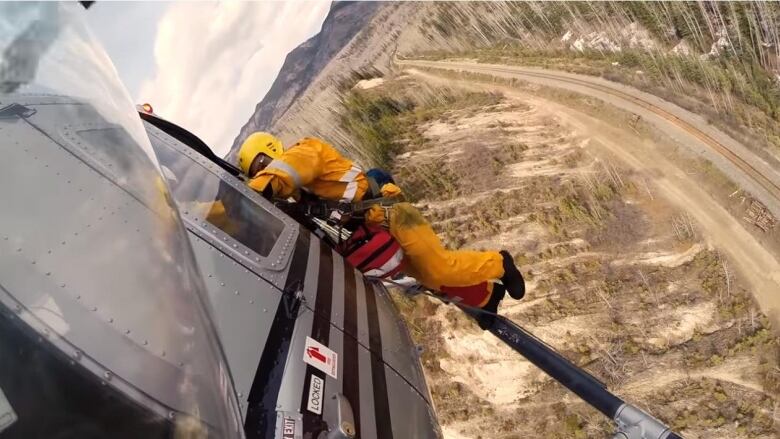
column 415, row 290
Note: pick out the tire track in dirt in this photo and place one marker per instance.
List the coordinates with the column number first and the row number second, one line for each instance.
column 730, row 155
column 759, row 267
column 752, row 172
column 645, row 383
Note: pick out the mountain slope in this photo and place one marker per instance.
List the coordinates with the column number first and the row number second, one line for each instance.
column 678, row 48
column 306, row 61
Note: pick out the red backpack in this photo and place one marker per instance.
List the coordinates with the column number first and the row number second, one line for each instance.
column 373, row 251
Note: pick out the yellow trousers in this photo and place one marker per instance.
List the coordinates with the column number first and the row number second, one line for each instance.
column 430, row 263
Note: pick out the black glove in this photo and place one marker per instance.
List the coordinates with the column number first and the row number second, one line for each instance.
column 268, row 193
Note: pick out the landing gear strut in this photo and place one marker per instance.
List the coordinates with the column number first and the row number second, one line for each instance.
column 630, row 421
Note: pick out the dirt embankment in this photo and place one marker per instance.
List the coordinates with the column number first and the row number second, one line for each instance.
column 621, row 279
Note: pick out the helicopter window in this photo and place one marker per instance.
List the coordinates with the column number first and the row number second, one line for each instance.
column 117, row 151
column 202, row 194
column 190, row 140
column 48, row 397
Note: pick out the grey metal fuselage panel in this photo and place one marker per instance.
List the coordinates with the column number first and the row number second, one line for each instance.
column 65, row 214
column 245, row 290
column 384, row 404
column 243, row 305
column 377, row 368
column 397, row 348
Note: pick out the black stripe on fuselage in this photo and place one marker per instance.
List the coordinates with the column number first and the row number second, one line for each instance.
column 320, row 331
column 384, row 428
column 350, row 364
column 261, row 412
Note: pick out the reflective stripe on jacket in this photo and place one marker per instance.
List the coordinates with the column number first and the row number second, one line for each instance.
column 315, row 165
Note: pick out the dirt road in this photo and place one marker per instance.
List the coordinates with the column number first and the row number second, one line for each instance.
column 759, row 267
column 751, row 172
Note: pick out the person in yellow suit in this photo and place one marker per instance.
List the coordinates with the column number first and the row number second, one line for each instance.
column 310, row 164
column 315, row 166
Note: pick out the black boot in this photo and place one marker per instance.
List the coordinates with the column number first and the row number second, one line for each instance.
column 485, row 319
column 512, row 279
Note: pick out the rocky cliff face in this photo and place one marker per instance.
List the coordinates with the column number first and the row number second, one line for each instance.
column 304, row 63
column 357, row 39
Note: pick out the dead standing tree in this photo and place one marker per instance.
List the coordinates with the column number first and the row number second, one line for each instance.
column 758, row 215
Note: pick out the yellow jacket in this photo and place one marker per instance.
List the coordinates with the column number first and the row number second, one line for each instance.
column 315, row 165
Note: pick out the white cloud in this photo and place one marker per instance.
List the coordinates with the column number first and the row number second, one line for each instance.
column 128, row 31
column 215, row 61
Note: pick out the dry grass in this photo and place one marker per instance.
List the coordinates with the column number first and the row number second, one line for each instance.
column 635, row 320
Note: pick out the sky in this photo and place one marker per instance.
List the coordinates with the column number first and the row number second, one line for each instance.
column 203, row 65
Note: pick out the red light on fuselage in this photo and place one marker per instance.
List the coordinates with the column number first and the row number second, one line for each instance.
column 147, row 108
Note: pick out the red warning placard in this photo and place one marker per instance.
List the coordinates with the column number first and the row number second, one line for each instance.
column 319, row 356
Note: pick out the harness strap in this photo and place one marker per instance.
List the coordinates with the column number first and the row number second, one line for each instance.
column 373, row 187
column 359, row 206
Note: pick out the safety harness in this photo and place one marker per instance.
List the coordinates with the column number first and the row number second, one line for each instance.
column 333, row 212
column 356, row 209
column 373, row 251
column 369, row 248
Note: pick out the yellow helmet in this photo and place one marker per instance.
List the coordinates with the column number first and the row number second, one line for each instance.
column 258, row 143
